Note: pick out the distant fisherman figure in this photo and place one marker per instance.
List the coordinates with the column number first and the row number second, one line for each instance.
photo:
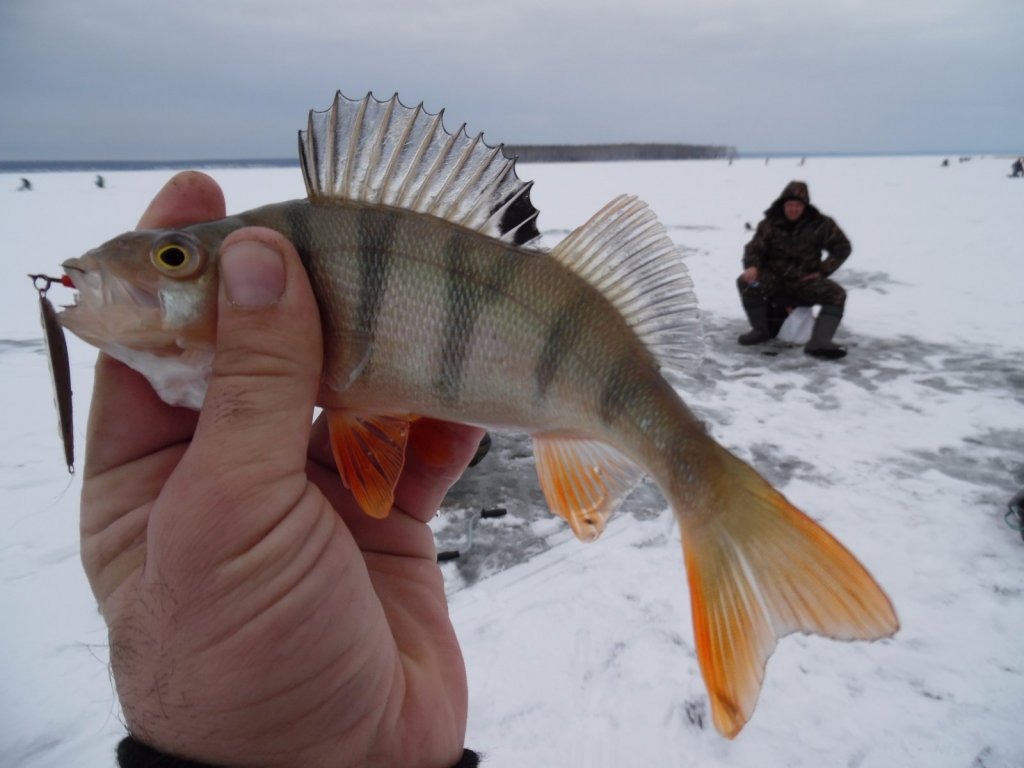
column 100, row 182
column 783, row 268
column 26, row 185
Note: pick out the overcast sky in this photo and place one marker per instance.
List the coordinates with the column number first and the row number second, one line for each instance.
column 197, row 79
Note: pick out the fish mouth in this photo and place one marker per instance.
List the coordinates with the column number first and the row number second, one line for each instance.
column 109, row 309
column 100, row 287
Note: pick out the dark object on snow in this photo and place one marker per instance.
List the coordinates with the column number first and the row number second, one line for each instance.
column 1018, row 167
column 100, row 182
column 767, row 317
column 1015, row 514
column 748, row 226
column 757, row 315
column 786, row 251
column 945, row 163
column 821, row 344
column 481, row 450
column 26, row 185
column 485, row 514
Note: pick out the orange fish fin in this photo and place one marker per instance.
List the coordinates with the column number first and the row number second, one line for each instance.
column 370, row 453
column 583, row 481
column 760, row 569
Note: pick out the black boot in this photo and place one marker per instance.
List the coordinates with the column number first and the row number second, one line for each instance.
column 481, row 449
column 825, row 327
column 757, row 314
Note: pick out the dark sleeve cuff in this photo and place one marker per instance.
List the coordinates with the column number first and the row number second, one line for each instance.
column 135, row 754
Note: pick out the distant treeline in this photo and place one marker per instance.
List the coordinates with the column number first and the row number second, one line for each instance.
column 59, row 166
column 526, row 153
column 579, row 153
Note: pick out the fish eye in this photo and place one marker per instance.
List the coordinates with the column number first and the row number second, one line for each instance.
column 171, row 257
column 176, row 258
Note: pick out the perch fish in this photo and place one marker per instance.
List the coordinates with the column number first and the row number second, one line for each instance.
column 437, row 300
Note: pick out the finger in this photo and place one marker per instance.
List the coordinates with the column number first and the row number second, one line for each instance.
column 437, row 455
column 126, row 419
column 188, row 198
column 254, row 426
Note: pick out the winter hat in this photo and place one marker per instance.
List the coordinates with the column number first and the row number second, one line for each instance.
column 796, row 190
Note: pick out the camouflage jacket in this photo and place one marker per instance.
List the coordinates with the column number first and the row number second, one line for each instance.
column 792, row 250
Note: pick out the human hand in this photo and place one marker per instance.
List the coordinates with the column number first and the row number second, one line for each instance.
column 255, row 615
column 749, row 275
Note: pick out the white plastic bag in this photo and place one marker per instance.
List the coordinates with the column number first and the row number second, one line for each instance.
column 798, row 326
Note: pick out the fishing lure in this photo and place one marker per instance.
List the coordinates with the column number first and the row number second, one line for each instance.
column 60, row 368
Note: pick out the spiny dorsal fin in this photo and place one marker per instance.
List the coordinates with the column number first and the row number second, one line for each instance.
column 624, row 252
column 386, row 153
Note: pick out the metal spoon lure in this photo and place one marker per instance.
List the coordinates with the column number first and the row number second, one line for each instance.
column 60, row 368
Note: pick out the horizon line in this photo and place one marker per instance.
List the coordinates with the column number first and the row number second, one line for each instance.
column 23, row 165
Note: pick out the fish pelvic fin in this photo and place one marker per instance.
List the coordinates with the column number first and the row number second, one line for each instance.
column 386, row 153
column 370, row 453
column 760, row 569
column 583, row 481
column 625, row 252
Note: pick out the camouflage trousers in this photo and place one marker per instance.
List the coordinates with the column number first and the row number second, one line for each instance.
column 769, row 288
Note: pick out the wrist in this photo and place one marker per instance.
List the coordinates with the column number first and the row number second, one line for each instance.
column 132, row 753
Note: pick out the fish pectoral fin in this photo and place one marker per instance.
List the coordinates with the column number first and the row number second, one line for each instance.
column 583, row 481
column 370, row 453
column 760, row 569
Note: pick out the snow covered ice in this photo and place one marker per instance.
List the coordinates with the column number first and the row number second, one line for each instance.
column 582, row 655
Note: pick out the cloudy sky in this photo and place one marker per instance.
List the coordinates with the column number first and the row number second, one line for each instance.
column 191, row 79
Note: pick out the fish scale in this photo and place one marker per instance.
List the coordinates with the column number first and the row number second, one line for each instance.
column 421, row 248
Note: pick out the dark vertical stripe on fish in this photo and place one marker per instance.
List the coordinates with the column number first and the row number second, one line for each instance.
column 296, row 217
column 376, row 230
column 473, row 283
column 560, row 339
column 617, row 392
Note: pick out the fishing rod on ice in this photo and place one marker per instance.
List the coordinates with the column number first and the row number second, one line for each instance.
column 1015, row 513
column 485, row 514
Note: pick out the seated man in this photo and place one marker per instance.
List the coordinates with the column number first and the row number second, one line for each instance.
column 784, row 268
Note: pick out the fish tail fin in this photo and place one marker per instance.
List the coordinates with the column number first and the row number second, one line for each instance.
column 760, row 569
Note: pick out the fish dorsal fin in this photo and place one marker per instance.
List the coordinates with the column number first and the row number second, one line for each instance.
column 386, row 153
column 625, row 252
column 583, row 481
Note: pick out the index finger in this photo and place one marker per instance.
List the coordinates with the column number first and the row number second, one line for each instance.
column 126, row 419
column 188, row 198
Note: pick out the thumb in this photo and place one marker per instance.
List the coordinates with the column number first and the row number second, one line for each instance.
column 255, row 422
